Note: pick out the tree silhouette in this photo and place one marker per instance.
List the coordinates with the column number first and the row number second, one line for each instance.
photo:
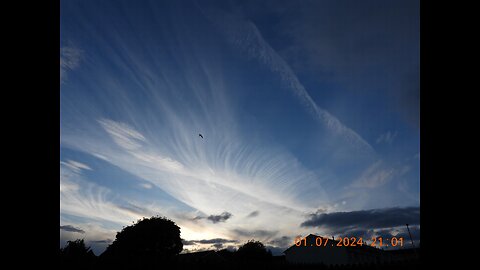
column 150, row 241
column 253, row 250
column 75, row 253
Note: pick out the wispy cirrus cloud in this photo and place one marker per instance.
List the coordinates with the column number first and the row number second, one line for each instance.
column 249, row 176
column 136, row 210
column 144, row 99
column 387, row 137
column 75, row 165
column 374, row 176
column 125, row 136
column 146, row 185
column 131, row 140
column 245, row 35
column 69, row 60
column 158, row 141
column 355, row 60
column 379, row 174
column 82, row 198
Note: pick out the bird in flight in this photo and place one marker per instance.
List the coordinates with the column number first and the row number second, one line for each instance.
column 200, row 135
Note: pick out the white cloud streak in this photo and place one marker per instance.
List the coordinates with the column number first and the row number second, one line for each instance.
column 85, row 199
column 246, row 36
column 122, row 134
column 146, row 185
column 387, row 137
column 75, row 165
column 379, row 174
column 69, row 59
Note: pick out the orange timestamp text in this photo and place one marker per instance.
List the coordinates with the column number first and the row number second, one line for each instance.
column 350, row 242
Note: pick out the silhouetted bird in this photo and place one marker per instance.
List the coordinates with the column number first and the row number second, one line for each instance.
column 200, row 135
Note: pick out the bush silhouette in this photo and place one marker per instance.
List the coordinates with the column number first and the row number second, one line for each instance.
column 253, row 250
column 148, row 242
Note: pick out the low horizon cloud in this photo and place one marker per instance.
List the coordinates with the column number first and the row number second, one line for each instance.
column 70, row 228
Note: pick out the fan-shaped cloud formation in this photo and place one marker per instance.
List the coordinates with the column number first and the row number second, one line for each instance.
column 145, row 79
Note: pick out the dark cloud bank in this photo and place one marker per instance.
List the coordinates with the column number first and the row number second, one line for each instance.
column 385, row 222
column 216, row 218
column 70, row 228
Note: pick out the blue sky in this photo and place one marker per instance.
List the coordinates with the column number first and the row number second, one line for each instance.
column 309, row 109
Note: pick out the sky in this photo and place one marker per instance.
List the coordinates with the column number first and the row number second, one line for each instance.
column 309, row 112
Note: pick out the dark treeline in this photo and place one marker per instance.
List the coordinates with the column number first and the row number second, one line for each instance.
column 155, row 243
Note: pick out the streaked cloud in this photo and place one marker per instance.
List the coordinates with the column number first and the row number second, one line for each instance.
column 81, row 198
column 374, row 176
column 158, row 161
column 69, row 60
column 380, row 52
column 125, row 136
column 379, row 174
column 146, row 185
column 245, row 35
column 75, row 165
column 387, row 137
column 245, row 173
column 136, row 210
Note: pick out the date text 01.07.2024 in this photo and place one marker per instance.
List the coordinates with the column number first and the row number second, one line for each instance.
column 351, row 242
